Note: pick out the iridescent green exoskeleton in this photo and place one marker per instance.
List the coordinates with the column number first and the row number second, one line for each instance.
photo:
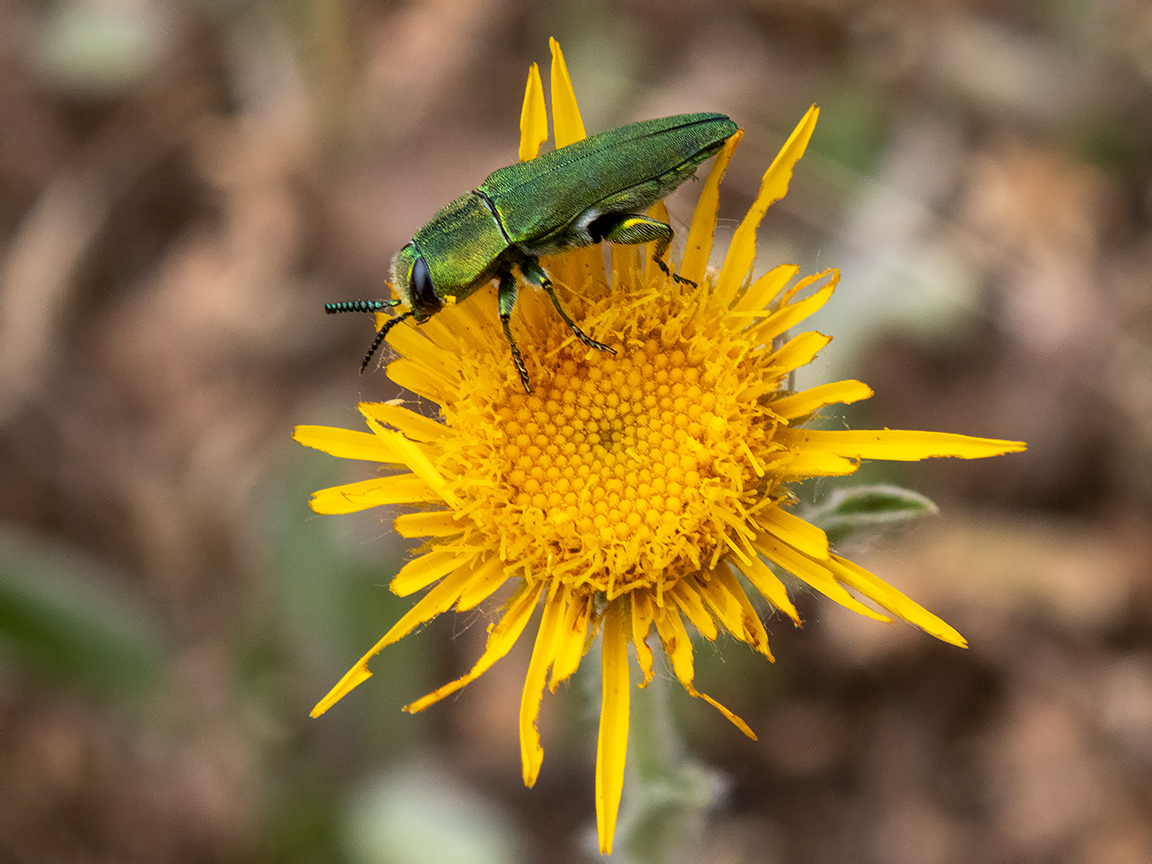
column 596, row 189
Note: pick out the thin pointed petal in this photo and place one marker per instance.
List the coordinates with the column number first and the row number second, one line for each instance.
column 500, row 642
column 808, row 401
column 897, row 445
column 346, row 444
column 742, row 251
column 421, row 572
column 612, row 744
column 543, row 653
column 883, row 594
column 365, row 494
column 413, row 425
column 574, row 641
column 566, row 122
column 698, row 246
column 438, row 600
column 533, row 117
column 794, row 531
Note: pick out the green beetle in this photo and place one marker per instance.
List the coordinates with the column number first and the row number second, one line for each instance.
column 593, row 190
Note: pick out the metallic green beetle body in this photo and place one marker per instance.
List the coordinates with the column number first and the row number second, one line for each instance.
column 593, row 190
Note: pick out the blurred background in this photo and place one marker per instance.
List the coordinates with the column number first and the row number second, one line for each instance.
column 184, row 184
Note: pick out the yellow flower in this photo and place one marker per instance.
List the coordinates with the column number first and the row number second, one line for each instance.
column 625, row 491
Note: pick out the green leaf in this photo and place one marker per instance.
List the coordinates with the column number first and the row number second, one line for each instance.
column 66, row 617
column 848, row 512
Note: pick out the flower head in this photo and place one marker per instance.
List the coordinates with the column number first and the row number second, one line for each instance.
column 646, row 490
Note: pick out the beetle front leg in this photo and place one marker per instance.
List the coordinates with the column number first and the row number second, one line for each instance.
column 625, row 229
column 506, row 302
column 532, row 272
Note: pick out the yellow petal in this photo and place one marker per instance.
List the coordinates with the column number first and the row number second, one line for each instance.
column 438, row 600
column 533, row 117
column 770, row 586
column 742, row 250
column 698, row 247
column 543, row 653
column 765, row 289
column 789, row 316
column 432, row 523
column 883, row 594
column 809, row 463
column 612, row 744
column 574, row 639
column 423, row 571
column 488, row 577
column 416, row 459
column 413, row 425
column 500, row 641
column 410, row 375
column 799, row 350
column 754, row 630
column 353, row 497
column 897, row 445
column 812, row 572
column 691, row 604
column 813, row 399
column 345, row 443
column 794, row 531
column 566, row 122
column 672, row 632
column 643, row 615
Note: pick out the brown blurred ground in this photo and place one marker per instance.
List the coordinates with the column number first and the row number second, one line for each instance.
column 182, row 186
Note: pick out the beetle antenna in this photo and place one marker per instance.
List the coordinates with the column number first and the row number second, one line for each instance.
column 360, row 306
column 388, row 325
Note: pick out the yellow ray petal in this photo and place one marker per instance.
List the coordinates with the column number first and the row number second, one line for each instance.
column 897, row 445
column 643, row 615
column 810, row 463
column 413, row 343
column 438, row 600
column 488, row 577
column 423, row 571
column 723, row 606
column 688, row 599
column 813, row 399
column 742, row 250
column 799, row 350
column 416, row 459
column 543, row 654
column 672, row 632
column 413, row 425
column 698, row 247
column 764, row 290
column 500, row 641
column 566, row 122
column 883, row 594
column 789, row 316
column 533, row 117
column 814, row 573
column 753, row 626
column 353, row 497
column 794, row 531
column 346, row 444
column 573, row 641
column 413, row 376
column 769, row 585
column 432, row 523
column 612, row 744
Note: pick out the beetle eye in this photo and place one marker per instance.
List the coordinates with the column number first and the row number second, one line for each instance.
column 423, row 294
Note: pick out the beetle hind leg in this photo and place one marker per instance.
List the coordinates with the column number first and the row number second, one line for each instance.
column 630, row 229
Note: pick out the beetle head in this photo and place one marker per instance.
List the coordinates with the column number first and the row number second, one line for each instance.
column 413, row 282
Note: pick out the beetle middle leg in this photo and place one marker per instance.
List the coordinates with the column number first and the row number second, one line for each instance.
column 630, row 229
column 534, row 273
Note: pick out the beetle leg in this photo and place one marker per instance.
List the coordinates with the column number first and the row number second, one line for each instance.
column 506, row 302
column 532, row 272
column 628, row 229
